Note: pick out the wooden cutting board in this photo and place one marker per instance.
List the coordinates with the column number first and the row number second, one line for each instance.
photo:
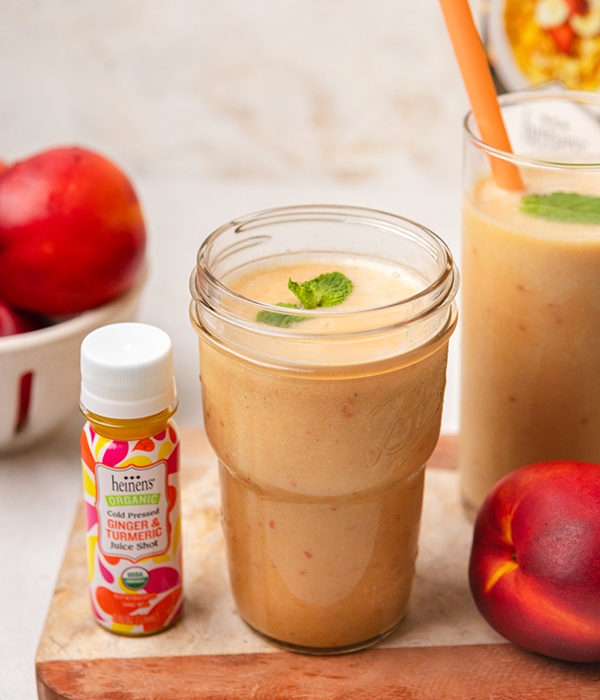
column 443, row 650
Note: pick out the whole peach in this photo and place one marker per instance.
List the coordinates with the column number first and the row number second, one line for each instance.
column 534, row 570
column 72, row 234
column 13, row 322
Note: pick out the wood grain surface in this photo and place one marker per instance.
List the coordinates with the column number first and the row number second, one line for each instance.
column 497, row 671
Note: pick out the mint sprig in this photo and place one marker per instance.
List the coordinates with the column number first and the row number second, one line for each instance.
column 564, row 207
column 328, row 289
column 274, row 318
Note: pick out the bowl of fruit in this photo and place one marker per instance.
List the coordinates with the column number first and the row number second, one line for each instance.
column 72, row 258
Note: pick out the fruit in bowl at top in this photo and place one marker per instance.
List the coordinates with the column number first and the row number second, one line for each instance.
column 72, row 232
column 566, row 21
column 534, row 570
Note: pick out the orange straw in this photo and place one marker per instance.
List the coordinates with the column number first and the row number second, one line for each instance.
column 478, row 81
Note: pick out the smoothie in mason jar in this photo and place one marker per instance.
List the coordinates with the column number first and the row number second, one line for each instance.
column 531, row 318
column 322, row 449
column 535, row 395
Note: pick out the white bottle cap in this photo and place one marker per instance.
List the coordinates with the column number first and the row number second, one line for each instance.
column 127, row 371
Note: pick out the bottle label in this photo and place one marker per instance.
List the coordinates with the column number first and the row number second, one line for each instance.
column 132, row 511
column 132, row 508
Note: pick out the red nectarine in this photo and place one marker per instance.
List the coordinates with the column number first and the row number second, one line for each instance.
column 13, row 321
column 72, row 234
column 535, row 560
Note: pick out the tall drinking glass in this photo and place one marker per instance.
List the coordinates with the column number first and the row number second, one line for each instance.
column 322, row 419
column 530, row 388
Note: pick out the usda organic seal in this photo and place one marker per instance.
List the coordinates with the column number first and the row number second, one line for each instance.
column 135, row 577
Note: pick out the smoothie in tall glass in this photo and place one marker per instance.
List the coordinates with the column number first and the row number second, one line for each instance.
column 530, row 349
column 323, row 423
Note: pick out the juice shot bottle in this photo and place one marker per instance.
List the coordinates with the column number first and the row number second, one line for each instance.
column 130, row 465
column 323, row 336
column 530, row 387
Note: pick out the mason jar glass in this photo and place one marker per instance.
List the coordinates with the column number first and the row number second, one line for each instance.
column 530, row 314
column 323, row 420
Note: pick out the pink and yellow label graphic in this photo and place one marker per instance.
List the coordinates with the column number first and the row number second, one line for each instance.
column 133, row 526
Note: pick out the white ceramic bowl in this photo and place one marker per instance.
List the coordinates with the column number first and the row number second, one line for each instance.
column 50, row 358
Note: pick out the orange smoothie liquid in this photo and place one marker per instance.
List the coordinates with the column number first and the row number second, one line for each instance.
column 322, row 470
column 530, row 337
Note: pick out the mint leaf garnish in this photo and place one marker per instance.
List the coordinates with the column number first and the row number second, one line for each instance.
column 328, row 289
column 566, row 207
column 274, row 318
